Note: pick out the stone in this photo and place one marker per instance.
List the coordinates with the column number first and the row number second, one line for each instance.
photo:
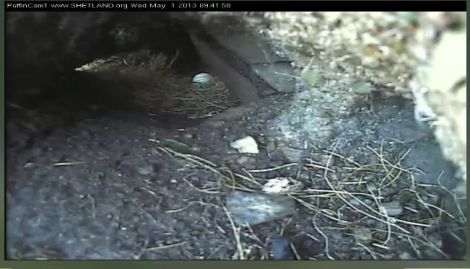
column 405, row 256
column 250, row 48
column 291, row 154
column 145, row 170
column 271, row 146
column 279, row 75
column 232, row 113
column 363, row 234
column 281, row 250
column 393, row 208
column 244, row 160
column 188, row 136
column 311, row 78
column 245, row 145
column 176, row 146
column 255, row 208
column 362, row 88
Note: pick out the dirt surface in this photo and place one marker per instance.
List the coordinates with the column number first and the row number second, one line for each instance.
column 104, row 187
column 98, row 177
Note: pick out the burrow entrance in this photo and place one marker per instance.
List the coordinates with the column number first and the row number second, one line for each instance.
column 115, row 63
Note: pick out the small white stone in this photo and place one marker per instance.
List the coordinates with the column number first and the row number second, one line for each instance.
column 393, row 208
column 245, row 145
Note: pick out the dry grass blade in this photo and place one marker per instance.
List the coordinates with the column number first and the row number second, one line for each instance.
column 273, row 168
column 337, row 218
column 372, row 253
column 305, row 204
column 160, row 248
column 463, row 217
column 205, row 164
column 380, row 246
column 384, row 212
column 424, row 241
column 325, row 177
column 387, row 164
column 239, row 254
column 332, row 153
column 294, row 250
column 309, row 190
column 250, row 177
column 327, row 251
column 415, row 249
column 313, row 165
column 208, row 191
column 172, row 61
column 68, row 163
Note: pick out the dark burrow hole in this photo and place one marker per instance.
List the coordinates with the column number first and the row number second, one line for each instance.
column 64, row 68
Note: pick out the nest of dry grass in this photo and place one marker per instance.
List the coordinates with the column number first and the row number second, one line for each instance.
column 158, row 89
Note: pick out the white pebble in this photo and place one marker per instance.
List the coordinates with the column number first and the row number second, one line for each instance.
column 245, row 145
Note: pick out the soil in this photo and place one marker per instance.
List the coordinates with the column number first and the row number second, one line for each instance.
column 101, row 187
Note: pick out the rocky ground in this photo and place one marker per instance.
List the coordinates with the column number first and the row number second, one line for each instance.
column 343, row 174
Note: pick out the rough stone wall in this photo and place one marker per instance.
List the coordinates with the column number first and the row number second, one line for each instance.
column 445, row 80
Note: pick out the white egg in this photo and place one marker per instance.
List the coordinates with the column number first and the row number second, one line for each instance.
column 202, row 78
